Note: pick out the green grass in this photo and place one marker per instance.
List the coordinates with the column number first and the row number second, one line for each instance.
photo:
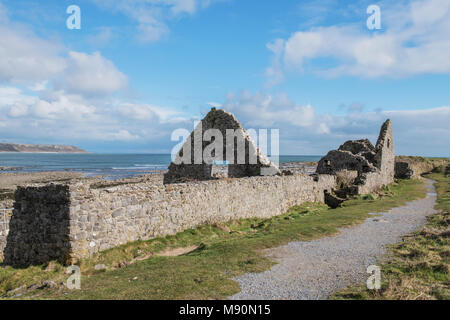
column 6, row 194
column 224, row 251
column 418, row 267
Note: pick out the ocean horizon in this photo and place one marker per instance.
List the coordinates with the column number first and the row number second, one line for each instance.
column 112, row 165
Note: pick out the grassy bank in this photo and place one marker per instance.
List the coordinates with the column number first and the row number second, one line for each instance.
column 135, row 271
column 418, row 267
column 422, row 165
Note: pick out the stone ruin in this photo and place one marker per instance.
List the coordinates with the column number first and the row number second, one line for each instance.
column 360, row 166
column 403, row 170
column 70, row 221
column 191, row 164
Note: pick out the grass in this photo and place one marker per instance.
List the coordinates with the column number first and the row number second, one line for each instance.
column 418, row 267
column 6, row 194
column 224, row 251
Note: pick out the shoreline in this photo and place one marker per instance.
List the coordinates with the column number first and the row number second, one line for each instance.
column 44, row 152
column 12, row 177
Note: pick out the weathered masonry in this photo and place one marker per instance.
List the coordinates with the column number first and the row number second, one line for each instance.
column 359, row 166
column 186, row 168
column 5, row 216
column 68, row 222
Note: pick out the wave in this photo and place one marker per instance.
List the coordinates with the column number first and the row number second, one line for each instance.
column 160, row 167
column 151, row 165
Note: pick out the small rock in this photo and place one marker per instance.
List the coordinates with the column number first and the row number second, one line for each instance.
column 100, row 267
column 48, row 284
column 14, row 291
column 42, row 285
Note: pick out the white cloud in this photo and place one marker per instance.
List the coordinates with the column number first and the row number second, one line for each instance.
column 12, row 95
column 146, row 112
column 18, row 110
column 180, row 6
column 104, row 35
column 152, row 16
column 415, row 40
column 92, row 74
column 25, row 58
column 151, row 30
column 57, row 105
column 51, row 94
column 68, row 117
column 39, row 86
column 214, row 104
column 137, row 112
column 122, row 135
column 63, row 107
column 304, row 131
column 265, row 110
column 275, row 72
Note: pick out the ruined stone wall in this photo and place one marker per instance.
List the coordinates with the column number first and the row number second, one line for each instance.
column 373, row 181
column 403, row 170
column 414, row 167
column 4, row 228
column 384, row 160
column 375, row 166
column 385, row 156
column 52, row 223
column 244, row 158
column 39, row 226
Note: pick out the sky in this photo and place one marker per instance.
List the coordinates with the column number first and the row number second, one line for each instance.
column 137, row 70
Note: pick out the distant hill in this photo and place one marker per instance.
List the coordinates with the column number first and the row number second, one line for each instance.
column 12, row 147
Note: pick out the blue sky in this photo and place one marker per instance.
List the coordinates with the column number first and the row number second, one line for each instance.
column 139, row 69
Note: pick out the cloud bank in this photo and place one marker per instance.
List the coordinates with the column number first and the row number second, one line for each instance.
column 152, row 16
column 49, row 93
column 304, row 131
column 415, row 40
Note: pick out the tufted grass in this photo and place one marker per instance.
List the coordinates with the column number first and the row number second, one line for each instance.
column 223, row 251
column 419, row 267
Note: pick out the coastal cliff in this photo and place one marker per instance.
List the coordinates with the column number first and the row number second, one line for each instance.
column 12, row 147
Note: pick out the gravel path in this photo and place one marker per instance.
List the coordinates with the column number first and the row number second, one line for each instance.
column 315, row 269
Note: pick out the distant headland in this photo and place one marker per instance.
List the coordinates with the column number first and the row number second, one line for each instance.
column 39, row 148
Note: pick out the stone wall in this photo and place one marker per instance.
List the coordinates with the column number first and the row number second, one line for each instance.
column 374, row 165
column 68, row 222
column 403, row 170
column 210, row 141
column 373, row 181
column 414, row 167
column 384, row 160
column 4, row 228
column 39, row 226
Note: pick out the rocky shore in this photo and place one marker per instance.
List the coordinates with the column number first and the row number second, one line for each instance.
column 10, row 168
column 10, row 180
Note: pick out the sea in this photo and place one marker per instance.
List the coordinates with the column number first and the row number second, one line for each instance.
column 111, row 166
